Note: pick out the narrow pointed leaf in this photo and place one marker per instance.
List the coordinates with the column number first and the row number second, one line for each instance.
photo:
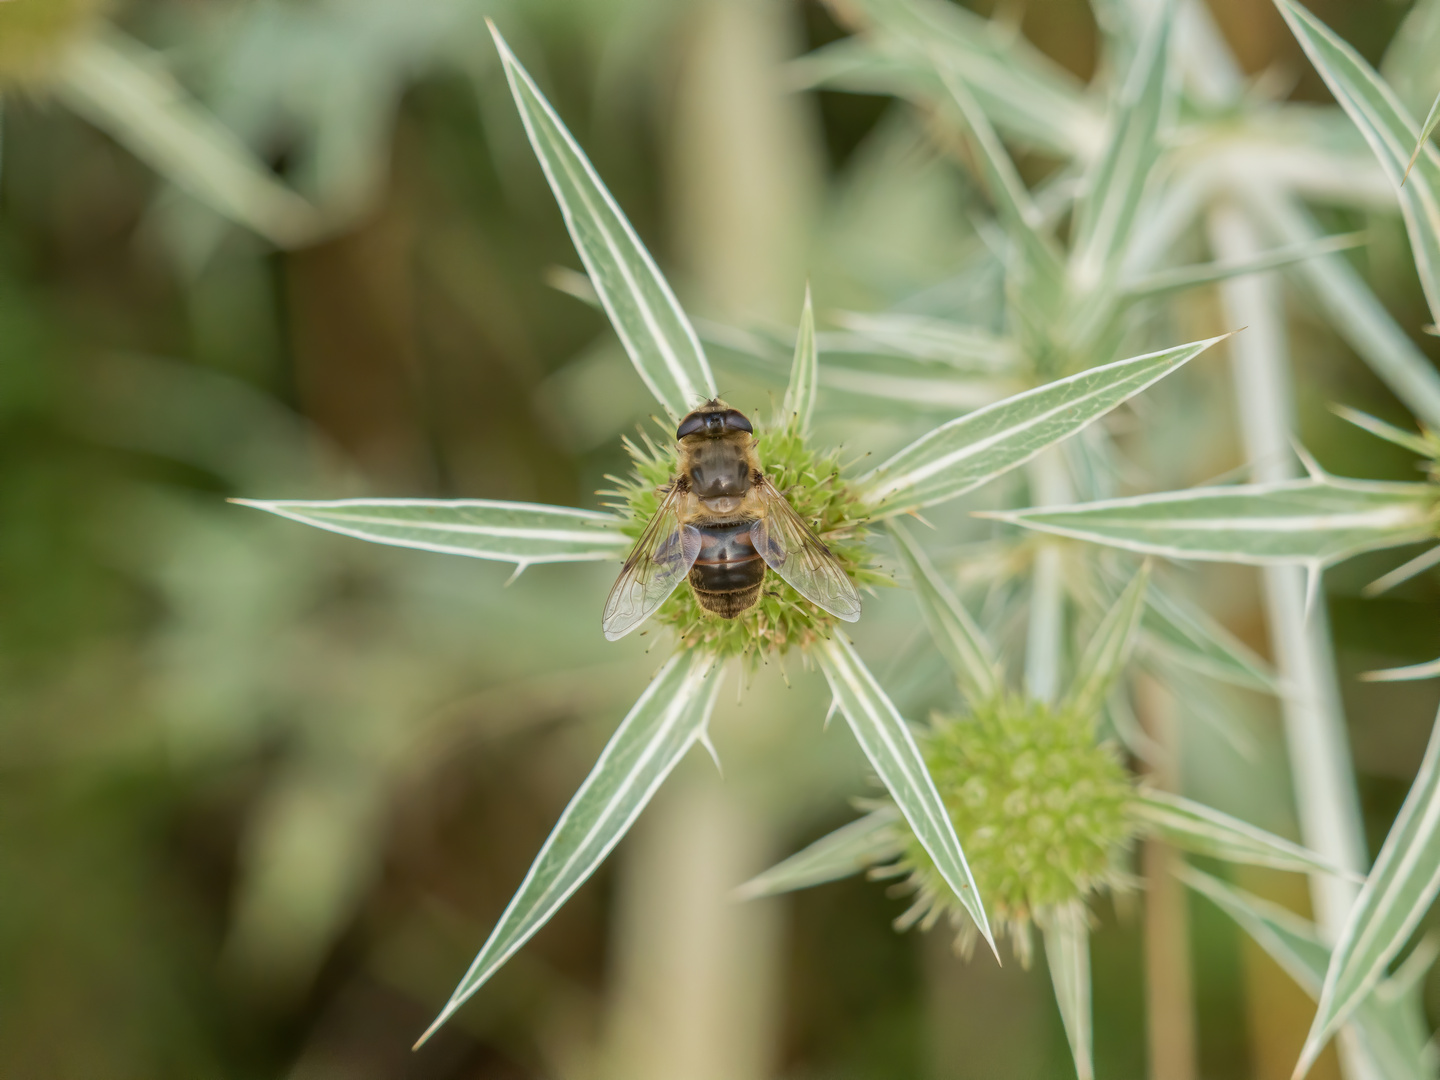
column 505, row 531
column 1189, row 635
column 1391, row 132
column 887, row 742
column 965, row 453
column 1417, row 444
column 1398, row 892
column 1394, row 1028
column 966, row 348
column 667, row 720
column 1038, row 266
column 1428, row 670
column 1390, row 1024
column 1067, row 952
column 122, row 87
column 1188, row 277
column 1105, row 213
column 1109, row 649
column 1351, row 306
column 1291, row 941
column 1027, row 93
column 1426, row 130
column 957, row 636
column 1404, row 572
column 804, row 372
column 848, row 850
column 1203, row 830
column 656, row 334
column 1312, row 522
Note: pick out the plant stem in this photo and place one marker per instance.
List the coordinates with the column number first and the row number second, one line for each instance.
column 1169, row 1000
column 1315, row 735
column 1044, row 643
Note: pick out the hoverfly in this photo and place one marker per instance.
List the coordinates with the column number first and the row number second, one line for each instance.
column 722, row 522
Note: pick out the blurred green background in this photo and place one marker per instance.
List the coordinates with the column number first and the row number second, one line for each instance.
column 263, row 790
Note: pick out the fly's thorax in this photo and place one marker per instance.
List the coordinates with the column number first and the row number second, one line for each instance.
column 721, row 467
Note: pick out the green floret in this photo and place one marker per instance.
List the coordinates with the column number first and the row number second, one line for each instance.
column 782, row 618
column 1041, row 810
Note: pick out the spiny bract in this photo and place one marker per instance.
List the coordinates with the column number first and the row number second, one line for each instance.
column 811, row 481
column 1042, row 811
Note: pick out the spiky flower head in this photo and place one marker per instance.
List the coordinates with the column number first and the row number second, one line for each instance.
column 1041, row 808
column 34, row 35
column 782, row 618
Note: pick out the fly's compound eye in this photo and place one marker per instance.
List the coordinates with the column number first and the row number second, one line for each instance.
column 736, row 421
column 713, row 423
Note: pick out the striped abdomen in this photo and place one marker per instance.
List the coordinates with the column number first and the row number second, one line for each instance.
column 728, row 572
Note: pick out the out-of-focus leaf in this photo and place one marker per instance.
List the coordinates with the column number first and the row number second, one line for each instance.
column 956, row 634
column 966, row 348
column 868, row 383
column 521, row 533
column 1427, row 446
column 1404, row 572
column 1398, row 892
column 1426, row 130
column 1351, row 305
column 1188, row 635
column 1313, row 522
column 1038, row 271
column 965, row 453
column 886, row 385
column 307, row 856
column 1105, row 213
column 888, row 744
column 1188, row 277
column 1428, row 670
column 804, row 384
column 1117, row 24
column 848, row 850
column 1109, row 650
column 644, row 312
column 1025, row 92
column 1203, row 830
column 1067, row 953
column 667, row 720
column 121, row 86
column 1389, row 129
column 1390, row 1022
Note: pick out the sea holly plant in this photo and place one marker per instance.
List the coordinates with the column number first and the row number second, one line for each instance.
column 1318, row 521
column 1314, row 522
column 1044, row 805
column 1064, row 302
column 1390, row 1020
column 953, row 459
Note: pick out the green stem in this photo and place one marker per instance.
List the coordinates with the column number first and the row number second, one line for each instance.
column 1316, row 741
column 1044, row 643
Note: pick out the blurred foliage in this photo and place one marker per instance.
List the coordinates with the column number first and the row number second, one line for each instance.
column 262, row 789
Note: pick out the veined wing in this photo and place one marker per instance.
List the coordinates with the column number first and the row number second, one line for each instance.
column 657, row 563
column 792, row 550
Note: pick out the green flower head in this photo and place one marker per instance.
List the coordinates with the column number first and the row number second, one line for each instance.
column 1043, row 811
column 812, row 483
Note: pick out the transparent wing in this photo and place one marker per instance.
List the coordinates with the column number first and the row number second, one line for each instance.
column 657, row 563
column 792, row 550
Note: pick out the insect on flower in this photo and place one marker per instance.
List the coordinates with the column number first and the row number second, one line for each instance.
column 722, row 508
column 722, row 522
